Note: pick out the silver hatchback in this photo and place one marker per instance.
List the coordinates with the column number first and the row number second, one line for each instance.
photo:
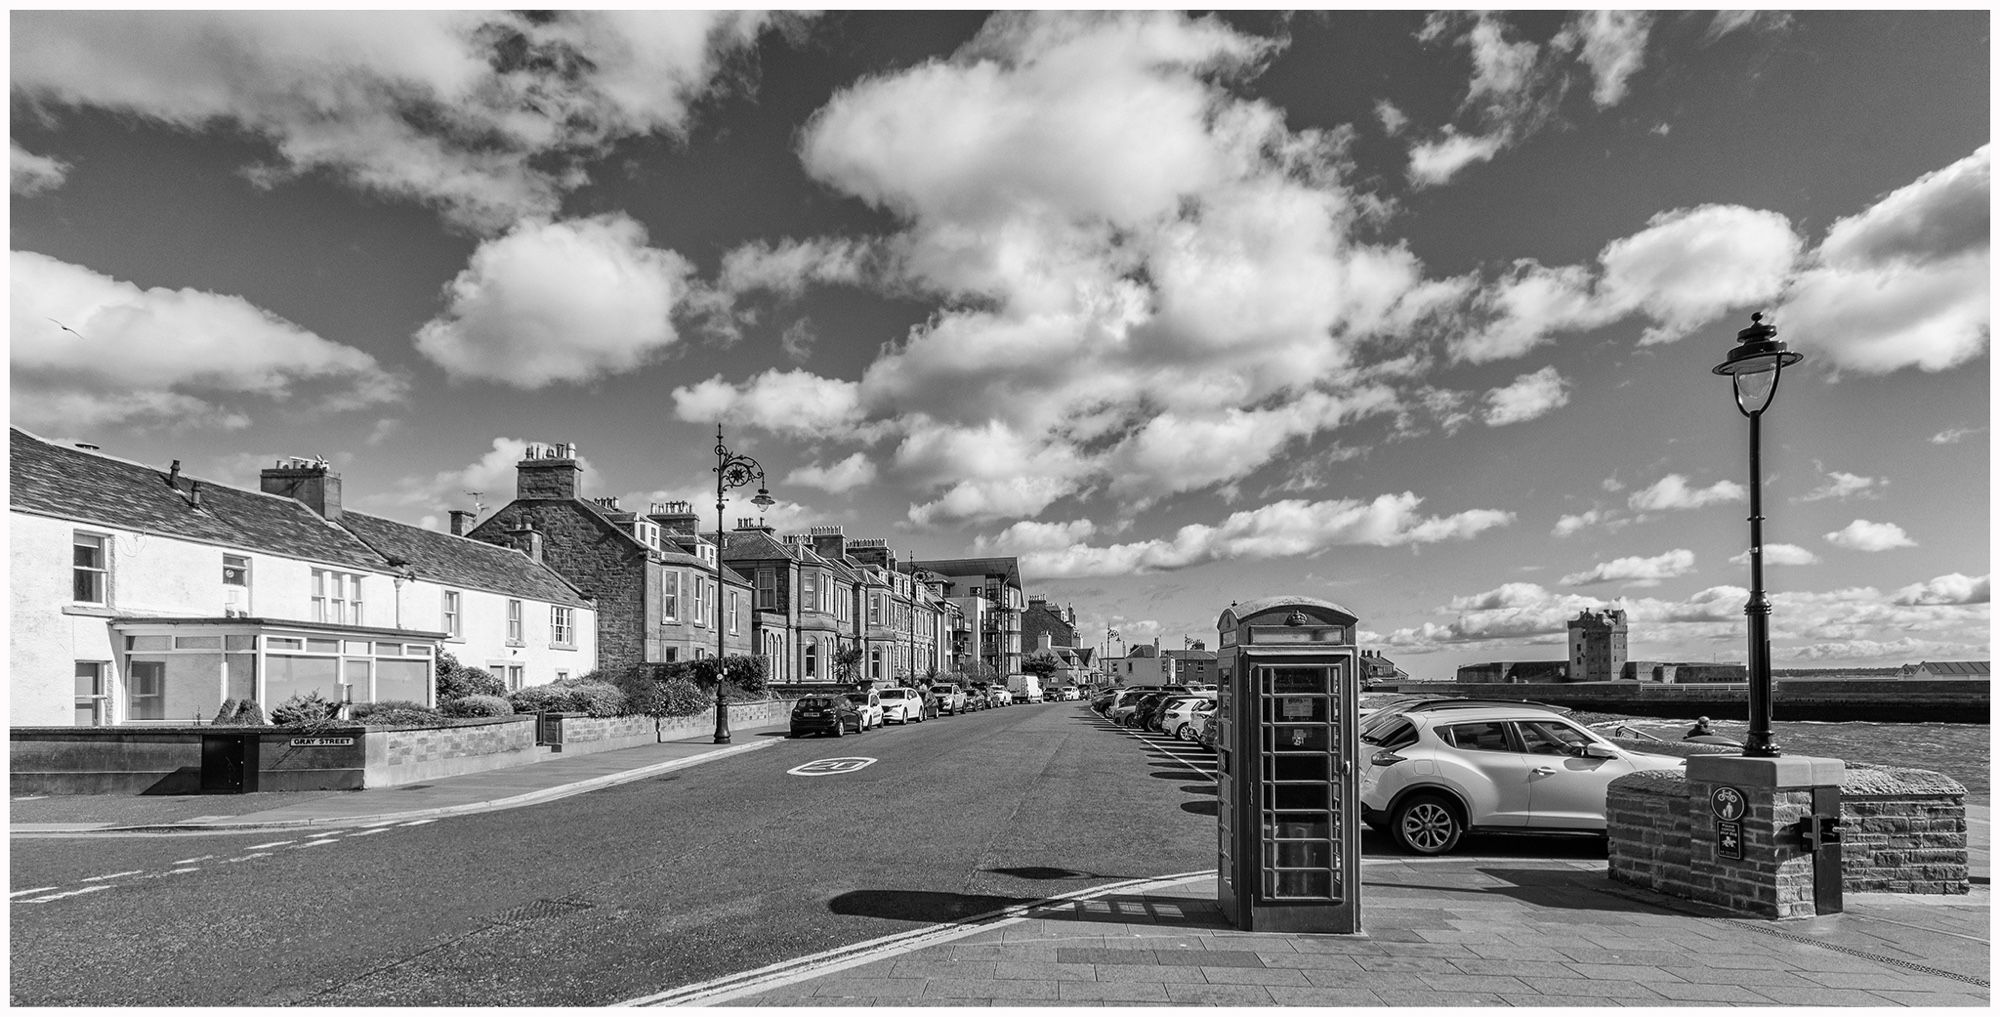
column 1431, row 772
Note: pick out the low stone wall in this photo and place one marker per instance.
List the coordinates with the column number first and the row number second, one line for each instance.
column 769, row 713
column 409, row 755
column 1946, row 700
column 1902, row 831
column 578, row 734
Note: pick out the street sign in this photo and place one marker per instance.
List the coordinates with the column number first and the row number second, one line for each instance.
column 829, row 767
column 1727, row 803
column 1729, row 839
column 300, row 743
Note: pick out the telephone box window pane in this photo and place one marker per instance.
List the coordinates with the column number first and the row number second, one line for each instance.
column 1308, row 709
column 1299, row 796
column 1302, row 854
column 1299, row 679
column 1300, row 768
column 1299, row 884
column 1301, row 738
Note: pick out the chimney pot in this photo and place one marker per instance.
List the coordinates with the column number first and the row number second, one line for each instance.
column 461, row 521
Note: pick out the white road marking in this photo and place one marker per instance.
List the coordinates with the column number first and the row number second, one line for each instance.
column 176, row 872
column 1190, row 764
column 191, row 861
column 254, row 854
column 30, row 798
column 747, row 983
column 364, row 833
column 24, row 893
column 115, row 875
column 59, row 896
column 420, row 822
column 275, row 843
column 317, row 843
column 836, row 765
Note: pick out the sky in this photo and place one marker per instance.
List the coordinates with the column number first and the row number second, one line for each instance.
column 1410, row 312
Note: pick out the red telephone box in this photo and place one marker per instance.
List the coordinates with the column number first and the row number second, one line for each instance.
column 1289, row 806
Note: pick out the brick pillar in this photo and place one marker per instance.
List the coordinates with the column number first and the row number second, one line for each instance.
column 1774, row 878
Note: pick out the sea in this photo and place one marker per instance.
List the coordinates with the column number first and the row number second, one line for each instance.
column 1963, row 752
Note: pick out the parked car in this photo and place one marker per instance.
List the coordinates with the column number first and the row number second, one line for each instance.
column 997, row 695
column 1133, row 712
column 1178, row 717
column 1025, row 688
column 1200, row 719
column 825, row 713
column 946, row 699
column 1071, row 693
column 1430, row 773
column 870, row 705
column 903, row 706
column 1147, row 717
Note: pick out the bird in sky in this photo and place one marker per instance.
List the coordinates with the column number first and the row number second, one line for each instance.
column 70, row 330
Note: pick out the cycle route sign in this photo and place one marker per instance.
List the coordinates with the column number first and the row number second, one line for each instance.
column 1728, row 804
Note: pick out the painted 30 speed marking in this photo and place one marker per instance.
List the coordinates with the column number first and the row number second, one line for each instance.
column 827, row 767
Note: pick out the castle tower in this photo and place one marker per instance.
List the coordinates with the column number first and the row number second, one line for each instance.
column 1597, row 646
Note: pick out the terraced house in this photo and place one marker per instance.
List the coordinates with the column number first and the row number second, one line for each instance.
column 661, row 590
column 143, row 595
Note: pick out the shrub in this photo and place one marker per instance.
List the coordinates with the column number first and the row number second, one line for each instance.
column 249, row 714
column 227, row 714
column 308, row 709
column 478, row 706
column 395, row 713
column 574, row 695
column 365, row 710
column 456, row 681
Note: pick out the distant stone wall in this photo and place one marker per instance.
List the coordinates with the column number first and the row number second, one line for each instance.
column 578, row 734
column 1956, row 701
column 771, row 713
column 463, row 746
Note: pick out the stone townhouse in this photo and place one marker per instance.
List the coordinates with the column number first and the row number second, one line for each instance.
column 660, row 589
column 142, row 595
column 988, row 593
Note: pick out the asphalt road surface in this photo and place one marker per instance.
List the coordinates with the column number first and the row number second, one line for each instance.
column 622, row 892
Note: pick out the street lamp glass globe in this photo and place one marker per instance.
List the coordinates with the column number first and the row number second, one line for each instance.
column 763, row 499
column 1754, row 389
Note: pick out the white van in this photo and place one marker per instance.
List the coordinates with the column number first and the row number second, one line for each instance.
column 1026, row 688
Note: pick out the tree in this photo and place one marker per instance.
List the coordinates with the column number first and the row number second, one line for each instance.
column 847, row 664
column 1043, row 664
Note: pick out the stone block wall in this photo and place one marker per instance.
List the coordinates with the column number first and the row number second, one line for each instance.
column 458, row 747
column 742, row 716
column 1903, row 831
column 581, row 734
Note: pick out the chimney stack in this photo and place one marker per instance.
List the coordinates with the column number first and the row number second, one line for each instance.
column 547, row 472
column 307, row 481
column 527, row 540
column 675, row 517
column 461, row 521
column 829, row 542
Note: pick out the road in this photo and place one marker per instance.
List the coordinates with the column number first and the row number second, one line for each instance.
column 618, row 893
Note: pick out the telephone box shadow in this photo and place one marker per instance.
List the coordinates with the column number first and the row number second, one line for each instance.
column 958, row 908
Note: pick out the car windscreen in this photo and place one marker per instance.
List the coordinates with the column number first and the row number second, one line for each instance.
column 892, row 693
column 856, row 697
column 816, row 701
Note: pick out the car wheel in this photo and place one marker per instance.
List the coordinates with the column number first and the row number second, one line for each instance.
column 1184, row 733
column 838, row 727
column 1428, row 825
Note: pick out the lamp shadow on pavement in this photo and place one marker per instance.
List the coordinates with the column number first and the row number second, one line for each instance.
column 952, row 908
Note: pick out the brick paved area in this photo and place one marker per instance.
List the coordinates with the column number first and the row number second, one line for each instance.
column 1443, row 932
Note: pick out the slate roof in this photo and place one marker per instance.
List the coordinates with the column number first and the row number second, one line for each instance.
column 462, row 561
column 756, row 545
column 621, row 523
column 72, row 483
column 91, row 487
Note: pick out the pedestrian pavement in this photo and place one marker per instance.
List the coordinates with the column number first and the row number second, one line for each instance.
column 1436, row 932
column 555, row 776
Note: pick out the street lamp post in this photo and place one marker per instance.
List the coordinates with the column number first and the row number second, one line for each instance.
column 731, row 470
column 1753, row 368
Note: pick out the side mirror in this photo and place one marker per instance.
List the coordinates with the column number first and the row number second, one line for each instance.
column 1592, row 750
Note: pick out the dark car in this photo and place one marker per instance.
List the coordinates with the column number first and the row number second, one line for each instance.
column 825, row 713
column 1149, row 709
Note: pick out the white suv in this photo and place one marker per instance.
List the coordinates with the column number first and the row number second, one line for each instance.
column 1431, row 771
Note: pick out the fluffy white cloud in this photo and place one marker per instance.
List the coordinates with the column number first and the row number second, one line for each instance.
column 1843, row 486
column 1780, row 554
column 1954, row 435
column 1862, row 535
column 482, row 485
column 558, row 302
column 1527, row 397
column 1614, row 47
column 1290, row 528
column 1672, row 492
column 1436, row 162
column 1028, row 536
column 1689, row 266
column 1952, row 588
column 1525, row 307
column 795, row 403
column 845, row 475
column 1905, row 283
column 88, row 350
column 488, row 116
column 1571, row 524
column 1635, row 571
column 32, row 174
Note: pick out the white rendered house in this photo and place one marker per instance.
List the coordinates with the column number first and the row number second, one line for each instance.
column 142, row 596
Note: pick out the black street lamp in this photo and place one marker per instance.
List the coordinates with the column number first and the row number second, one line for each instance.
column 1753, row 368
column 730, row 471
